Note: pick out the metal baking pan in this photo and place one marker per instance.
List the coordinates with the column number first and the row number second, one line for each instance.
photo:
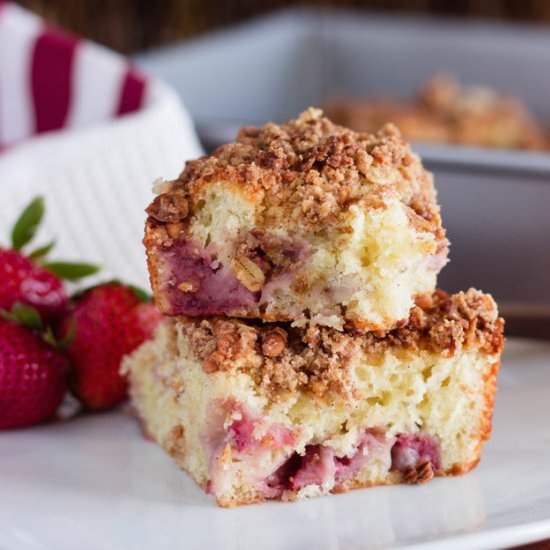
column 496, row 204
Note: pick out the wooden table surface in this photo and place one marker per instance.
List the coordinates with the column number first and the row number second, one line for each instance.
column 542, row 545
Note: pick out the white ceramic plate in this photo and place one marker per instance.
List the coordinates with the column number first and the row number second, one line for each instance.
column 94, row 483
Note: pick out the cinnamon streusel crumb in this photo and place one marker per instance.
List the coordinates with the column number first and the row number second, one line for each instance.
column 314, row 169
column 318, row 359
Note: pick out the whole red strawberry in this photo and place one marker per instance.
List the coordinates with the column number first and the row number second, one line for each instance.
column 21, row 280
column 28, row 278
column 109, row 321
column 33, row 377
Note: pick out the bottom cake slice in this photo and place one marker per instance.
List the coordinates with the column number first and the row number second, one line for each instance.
column 256, row 412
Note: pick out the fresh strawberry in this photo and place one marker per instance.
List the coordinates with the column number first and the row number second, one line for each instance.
column 21, row 280
column 29, row 279
column 33, row 377
column 109, row 321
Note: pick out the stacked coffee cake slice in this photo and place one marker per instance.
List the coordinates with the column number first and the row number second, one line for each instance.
column 306, row 349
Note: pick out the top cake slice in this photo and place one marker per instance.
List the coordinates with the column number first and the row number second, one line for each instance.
column 306, row 221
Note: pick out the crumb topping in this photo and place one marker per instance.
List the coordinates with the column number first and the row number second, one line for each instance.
column 319, row 359
column 443, row 323
column 278, row 359
column 308, row 171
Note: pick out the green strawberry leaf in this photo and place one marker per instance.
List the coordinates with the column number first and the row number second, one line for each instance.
column 70, row 271
column 28, row 317
column 26, row 225
column 41, row 252
column 24, row 315
column 141, row 295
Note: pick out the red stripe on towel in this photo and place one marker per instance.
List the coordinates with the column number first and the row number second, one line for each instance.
column 132, row 92
column 51, row 74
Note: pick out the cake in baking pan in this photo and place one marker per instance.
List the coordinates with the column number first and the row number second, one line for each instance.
column 445, row 111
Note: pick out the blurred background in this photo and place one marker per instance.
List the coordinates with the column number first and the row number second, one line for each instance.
column 129, row 26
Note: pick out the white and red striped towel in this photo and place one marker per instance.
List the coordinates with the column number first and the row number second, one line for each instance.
column 63, row 136
column 50, row 79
